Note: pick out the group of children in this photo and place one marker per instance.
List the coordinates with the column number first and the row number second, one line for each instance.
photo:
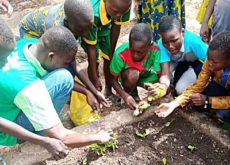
column 37, row 74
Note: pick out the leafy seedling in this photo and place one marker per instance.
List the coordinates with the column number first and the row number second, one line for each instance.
column 102, row 149
column 164, row 161
column 143, row 133
column 141, row 108
column 191, row 148
column 84, row 161
column 168, row 123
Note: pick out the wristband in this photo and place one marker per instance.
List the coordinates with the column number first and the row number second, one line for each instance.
column 207, row 105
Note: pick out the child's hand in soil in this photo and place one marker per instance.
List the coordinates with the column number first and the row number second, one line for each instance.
column 130, row 102
column 166, row 109
column 198, row 99
column 92, row 101
column 56, row 148
column 104, row 136
column 104, row 101
column 97, row 84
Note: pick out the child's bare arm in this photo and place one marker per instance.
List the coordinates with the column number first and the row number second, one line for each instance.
column 74, row 139
column 94, row 97
column 115, row 32
column 92, row 68
column 165, row 74
column 54, row 146
column 204, row 30
column 130, row 102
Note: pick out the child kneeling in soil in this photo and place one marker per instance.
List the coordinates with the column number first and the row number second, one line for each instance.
column 211, row 91
column 136, row 63
column 183, row 49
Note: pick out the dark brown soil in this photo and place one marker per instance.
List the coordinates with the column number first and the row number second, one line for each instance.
column 163, row 142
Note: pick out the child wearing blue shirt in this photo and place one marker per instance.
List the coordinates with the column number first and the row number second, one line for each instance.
column 183, row 49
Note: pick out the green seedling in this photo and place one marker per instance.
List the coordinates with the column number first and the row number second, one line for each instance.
column 141, row 108
column 168, row 123
column 150, row 98
column 160, row 91
column 84, row 161
column 102, row 149
column 191, row 148
column 143, row 133
column 164, row 161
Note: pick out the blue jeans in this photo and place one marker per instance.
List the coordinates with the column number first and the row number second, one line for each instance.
column 59, row 84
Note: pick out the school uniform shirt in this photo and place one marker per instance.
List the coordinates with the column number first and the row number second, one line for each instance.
column 193, row 48
column 149, row 66
column 102, row 24
column 220, row 102
column 23, row 90
column 37, row 22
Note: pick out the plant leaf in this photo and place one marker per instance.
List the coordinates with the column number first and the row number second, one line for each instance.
column 164, row 161
column 191, row 148
column 143, row 134
column 167, row 124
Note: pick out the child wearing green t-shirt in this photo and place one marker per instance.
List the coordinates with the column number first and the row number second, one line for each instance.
column 34, row 86
column 101, row 40
column 54, row 146
column 134, row 64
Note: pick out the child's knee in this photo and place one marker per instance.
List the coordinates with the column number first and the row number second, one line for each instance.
column 66, row 77
column 225, row 114
column 130, row 75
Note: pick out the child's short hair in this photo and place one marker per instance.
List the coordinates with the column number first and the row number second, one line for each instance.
column 7, row 40
column 59, row 40
column 167, row 23
column 222, row 43
column 78, row 9
column 141, row 32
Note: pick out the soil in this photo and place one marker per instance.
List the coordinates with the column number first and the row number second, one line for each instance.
column 170, row 143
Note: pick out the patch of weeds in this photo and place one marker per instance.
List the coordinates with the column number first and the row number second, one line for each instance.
column 143, row 133
column 102, row 149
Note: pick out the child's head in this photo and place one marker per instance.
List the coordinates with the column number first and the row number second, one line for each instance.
column 172, row 33
column 219, row 52
column 116, row 8
column 79, row 16
column 58, row 47
column 140, row 41
column 7, row 41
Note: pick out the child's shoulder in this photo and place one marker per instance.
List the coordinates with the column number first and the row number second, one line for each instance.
column 154, row 47
column 22, row 42
column 190, row 36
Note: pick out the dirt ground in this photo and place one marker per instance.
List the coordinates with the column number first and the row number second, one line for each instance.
column 169, row 142
column 163, row 142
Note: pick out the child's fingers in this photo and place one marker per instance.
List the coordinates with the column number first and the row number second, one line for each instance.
column 3, row 7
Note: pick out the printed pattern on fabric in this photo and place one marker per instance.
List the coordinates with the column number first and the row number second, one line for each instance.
column 37, row 22
column 151, row 11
